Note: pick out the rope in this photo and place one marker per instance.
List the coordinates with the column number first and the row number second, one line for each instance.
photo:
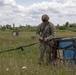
column 20, row 47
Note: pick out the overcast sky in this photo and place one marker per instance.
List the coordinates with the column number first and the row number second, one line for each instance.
column 22, row 12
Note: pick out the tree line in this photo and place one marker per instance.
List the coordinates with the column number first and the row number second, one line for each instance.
column 66, row 26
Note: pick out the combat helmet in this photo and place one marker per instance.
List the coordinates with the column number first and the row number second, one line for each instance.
column 45, row 18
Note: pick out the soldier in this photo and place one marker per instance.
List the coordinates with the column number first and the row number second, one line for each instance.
column 45, row 32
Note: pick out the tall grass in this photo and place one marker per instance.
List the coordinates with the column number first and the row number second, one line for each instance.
column 26, row 62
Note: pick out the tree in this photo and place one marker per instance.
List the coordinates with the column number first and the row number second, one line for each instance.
column 58, row 25
column 66, row 24
column 13, row 25
column 8, row 26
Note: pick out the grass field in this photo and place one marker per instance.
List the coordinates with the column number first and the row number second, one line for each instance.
column 26, row 62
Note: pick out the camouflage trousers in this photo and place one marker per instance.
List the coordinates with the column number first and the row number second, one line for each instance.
column 45, row 48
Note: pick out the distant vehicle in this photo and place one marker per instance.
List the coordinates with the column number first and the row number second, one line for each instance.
column 15, row 33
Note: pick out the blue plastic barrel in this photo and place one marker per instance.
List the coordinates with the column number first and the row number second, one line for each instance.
column 67, row 54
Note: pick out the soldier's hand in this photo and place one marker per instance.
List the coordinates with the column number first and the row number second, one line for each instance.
column 45, row 39
column 41, row 38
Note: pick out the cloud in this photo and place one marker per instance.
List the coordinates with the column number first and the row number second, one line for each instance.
column 9, row 2
column 58, row 10
column 10, row 12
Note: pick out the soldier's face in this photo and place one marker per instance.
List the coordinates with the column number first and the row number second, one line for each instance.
column 44, row 20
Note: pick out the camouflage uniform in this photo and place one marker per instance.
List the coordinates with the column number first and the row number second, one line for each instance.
column 45, row 30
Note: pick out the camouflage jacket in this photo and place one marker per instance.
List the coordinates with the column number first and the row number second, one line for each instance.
column 45, row 30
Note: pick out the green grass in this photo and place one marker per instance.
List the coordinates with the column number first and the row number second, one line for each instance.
column 11, row 63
